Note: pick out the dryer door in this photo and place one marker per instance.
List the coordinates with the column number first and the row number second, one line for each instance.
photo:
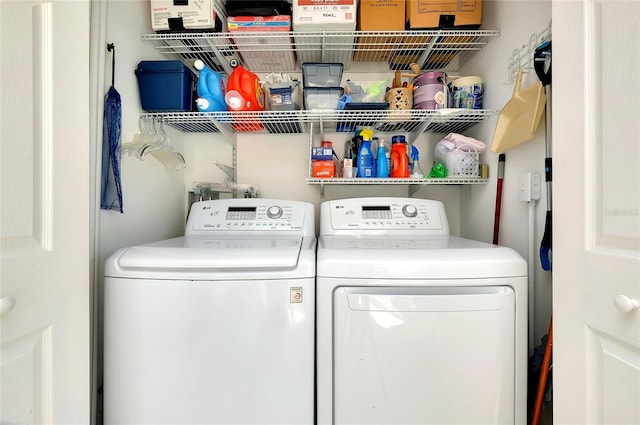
column 427, row 355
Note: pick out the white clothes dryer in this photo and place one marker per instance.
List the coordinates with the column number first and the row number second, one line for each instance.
column 415, row 326
column 217, row 326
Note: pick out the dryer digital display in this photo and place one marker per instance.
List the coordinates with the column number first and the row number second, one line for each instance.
column 391, row 214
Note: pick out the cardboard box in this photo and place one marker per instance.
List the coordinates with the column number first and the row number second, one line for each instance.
column 321, row 153
column 324, row 15
column 371, row 48
column 324, row 169
column 193, row 14
column 381, row 15
column 444, row 14
column 265, row 53
column 309, row 15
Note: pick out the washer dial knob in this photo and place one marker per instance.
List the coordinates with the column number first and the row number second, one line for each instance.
column 274, row 212
column 409, row 211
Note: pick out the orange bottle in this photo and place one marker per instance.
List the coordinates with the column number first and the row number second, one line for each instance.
column 399, row 160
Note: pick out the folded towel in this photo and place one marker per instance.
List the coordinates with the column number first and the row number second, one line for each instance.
column 466, row 143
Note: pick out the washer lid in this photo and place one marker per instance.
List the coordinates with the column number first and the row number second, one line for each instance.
column 438, row 257
column 178, row 257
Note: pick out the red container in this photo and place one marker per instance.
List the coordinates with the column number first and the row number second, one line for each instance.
column 244, row 92
column 399, row 160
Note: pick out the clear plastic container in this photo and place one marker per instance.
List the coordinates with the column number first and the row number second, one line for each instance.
column 322, row 98
column 322, row 74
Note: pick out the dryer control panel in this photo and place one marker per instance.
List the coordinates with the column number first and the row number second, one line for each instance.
column 387, row 214
column 250, row 214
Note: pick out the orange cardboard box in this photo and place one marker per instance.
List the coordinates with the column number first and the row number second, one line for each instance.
column 381, row 15
column 444, row 13
column 324, row 169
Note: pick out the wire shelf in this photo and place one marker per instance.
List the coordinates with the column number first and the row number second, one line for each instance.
column 365, row 51
column 414, row 184
column 293, row 122
column 398, row 181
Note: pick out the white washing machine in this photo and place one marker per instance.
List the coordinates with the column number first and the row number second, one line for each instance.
column 415, row 326
column 217, row 326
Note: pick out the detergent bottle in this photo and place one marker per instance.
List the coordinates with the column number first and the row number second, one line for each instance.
column 366, row 161
column 399, row 162
column 382, row 166
column 210, row 89
column 244, row 92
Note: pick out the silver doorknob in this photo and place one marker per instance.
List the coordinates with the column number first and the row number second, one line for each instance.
column 625, row 304
column 6, row 305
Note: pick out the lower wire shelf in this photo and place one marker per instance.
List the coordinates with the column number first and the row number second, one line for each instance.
column 414, row 183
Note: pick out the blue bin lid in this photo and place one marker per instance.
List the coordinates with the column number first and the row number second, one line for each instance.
column 161, row 66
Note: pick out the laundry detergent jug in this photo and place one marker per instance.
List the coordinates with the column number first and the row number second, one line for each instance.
column 210, row 89
column 399, row 160
column 244, row 92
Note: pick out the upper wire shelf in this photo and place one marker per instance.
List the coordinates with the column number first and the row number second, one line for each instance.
column 287, row 122
column 359, row 51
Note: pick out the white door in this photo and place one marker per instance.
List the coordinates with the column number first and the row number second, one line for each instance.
column 44, row 127
column 596, row 207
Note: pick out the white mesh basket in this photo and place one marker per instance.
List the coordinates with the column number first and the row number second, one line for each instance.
column 463, row 160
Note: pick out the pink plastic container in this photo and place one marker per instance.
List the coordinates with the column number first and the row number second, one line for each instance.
column 430, row 90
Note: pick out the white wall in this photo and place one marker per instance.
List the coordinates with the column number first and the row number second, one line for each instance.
column 517, row 22
column 155, row 199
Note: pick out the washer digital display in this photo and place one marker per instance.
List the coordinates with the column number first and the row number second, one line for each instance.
column 376, row 211
column 241, row 213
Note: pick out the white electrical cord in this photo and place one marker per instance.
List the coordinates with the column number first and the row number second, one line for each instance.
column 531, row 274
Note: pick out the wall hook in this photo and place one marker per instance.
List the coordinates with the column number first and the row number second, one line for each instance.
column 112, row 48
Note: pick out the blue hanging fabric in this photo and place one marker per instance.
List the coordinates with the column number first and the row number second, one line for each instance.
column 111, row 193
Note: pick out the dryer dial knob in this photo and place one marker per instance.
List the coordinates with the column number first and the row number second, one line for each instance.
column 409, row 211
column 274, row 212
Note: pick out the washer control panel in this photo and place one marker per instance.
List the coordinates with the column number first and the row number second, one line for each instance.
column 246, row 215
column 393, row 214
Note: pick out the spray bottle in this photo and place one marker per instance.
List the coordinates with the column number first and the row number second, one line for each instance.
column 366, row 160
column 210, row 89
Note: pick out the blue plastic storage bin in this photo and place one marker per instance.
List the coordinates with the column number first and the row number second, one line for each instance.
column 165, row 86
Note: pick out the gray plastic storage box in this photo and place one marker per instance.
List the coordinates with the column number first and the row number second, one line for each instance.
column 165, row 86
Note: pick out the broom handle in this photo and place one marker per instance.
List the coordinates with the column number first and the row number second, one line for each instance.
column 544, row 372
column 496, row 220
